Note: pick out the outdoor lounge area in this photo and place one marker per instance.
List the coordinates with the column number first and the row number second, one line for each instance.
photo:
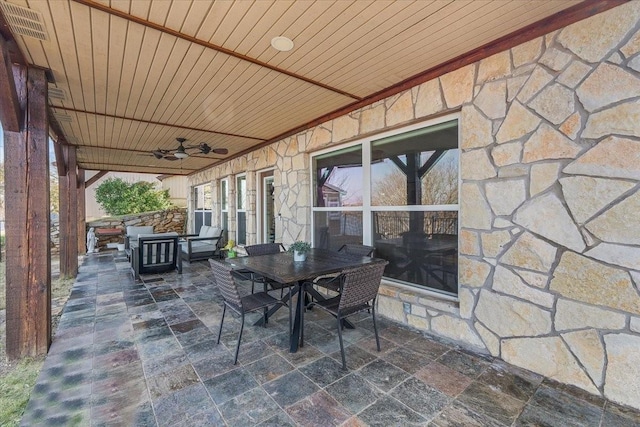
column 143, row 353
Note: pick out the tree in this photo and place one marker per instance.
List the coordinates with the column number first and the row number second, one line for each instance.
column 118, row 197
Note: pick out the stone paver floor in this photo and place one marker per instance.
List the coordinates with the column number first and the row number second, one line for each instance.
column 144, row 353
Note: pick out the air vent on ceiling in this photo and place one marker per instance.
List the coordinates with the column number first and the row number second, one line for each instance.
column 57, row 93
column 24, row 21
column 60, row 117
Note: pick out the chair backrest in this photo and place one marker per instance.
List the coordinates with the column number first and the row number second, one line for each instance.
column 133, row 231
column 226, row 284
column 157, row 252
column 210, row 231
column 360, row 285
column 358, row 250
column 263, row 249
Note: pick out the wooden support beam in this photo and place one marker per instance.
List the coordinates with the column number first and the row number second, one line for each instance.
column 82, row 218
column 10, row 112
column 94, row 178
column 68, row 187
column 61, row 162
column 28, row 268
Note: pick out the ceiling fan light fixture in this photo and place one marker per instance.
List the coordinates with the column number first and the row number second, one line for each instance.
column 181, row 154
column 282, row 43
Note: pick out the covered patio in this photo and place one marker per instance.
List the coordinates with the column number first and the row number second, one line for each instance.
column 143, row 353
column 488, row 150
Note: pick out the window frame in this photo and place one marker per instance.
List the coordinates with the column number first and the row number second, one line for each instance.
column 224, row 205
column 195, row 191
column 367, row 209
column 238, row 177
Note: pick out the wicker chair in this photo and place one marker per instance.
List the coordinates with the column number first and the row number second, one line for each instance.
column 331, row 281
column 256, row 250
column 240, row 305
column 359, row 291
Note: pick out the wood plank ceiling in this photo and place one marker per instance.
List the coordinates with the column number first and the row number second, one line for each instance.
column 133, row 75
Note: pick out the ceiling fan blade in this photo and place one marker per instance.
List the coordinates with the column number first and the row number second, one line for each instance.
column 158, row 154
column 220, row 150
column 170, row 157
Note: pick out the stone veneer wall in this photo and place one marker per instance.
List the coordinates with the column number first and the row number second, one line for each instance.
column 163, row 221
column 550, row 230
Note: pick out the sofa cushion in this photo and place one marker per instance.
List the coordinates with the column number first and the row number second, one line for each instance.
column 199, row 246
column 204, row 231
column 213, row 232
column 134, row 231
column 167, row 234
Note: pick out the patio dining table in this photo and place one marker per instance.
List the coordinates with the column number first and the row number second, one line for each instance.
column 283, row 269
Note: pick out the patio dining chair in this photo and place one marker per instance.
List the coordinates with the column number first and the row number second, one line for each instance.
column 331, row 281
column 256, row 250
column 359, row 289
column 240, row 304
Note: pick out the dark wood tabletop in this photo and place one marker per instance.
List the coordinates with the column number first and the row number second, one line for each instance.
column 281, row 267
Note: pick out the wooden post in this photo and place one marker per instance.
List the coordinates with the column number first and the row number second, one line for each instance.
column 82, row 219
column 28, row 223
column 68, row 186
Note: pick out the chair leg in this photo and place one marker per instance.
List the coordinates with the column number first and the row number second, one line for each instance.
column 375, row 327
column 290, row 313
column 235, row 360
column 344, row 359
column 266, row 319
column 224, row 310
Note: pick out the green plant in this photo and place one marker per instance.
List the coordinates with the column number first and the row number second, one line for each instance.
column 300, row 247
column 118, row 197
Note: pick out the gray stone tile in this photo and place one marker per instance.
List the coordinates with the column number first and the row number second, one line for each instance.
column 565, row 405
column 172, row 381
column 290, row 388
column 250, row 408
column 354, row 392
column 319, row 409
column 383, row 375
column 514, row 382
column 177, row 405
column 324, row 371
column 458, row 415
column 407, row 360
column 620, row 416
column 229, row 385
column 355, row 355
column 425, row 400
column 466, row 364
column 215, row 365
column 484, row 399
column 269, row 368
column 281, row 419
column 387, row 411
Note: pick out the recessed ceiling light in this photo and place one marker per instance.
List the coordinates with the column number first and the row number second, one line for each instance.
column 282, row 43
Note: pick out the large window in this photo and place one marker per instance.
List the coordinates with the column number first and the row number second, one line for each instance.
column 241, row 209
column 398, row 193
column 202, row 206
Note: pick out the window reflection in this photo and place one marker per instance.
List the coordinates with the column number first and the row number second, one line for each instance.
column 427, row 256
column 338, row 178
column 419, row 169
column 334, row 229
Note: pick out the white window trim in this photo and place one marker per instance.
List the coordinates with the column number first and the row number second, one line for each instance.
column 367, row 237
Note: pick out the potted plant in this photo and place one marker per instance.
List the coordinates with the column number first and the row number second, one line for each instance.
column 230, row 248
column 300, row 250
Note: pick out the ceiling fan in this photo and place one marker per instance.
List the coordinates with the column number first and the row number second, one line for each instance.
column 182, row 151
